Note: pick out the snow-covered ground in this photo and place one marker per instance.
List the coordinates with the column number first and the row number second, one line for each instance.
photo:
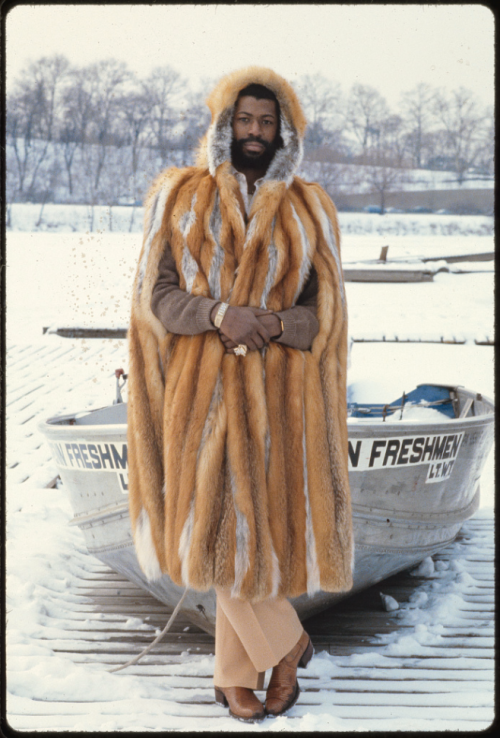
column 357, row 177
column 60, row 279
column 124, row 219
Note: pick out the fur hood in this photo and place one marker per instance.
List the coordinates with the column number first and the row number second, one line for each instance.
column 238, row 465
column 216, row 145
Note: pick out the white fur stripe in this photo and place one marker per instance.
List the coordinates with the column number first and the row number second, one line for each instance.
column 329, row 235
column 313, row 576
column 271, row 269
column 286, row 160
column 145, row 548
column 305, row 264
column 211, row 418
column 185, row 544
column 188, row 219
column 214, row 275
column 241, row 556
column 276, row 574
column 189, row 266
column 187, row 531
column 155, row 218
column 219, row 137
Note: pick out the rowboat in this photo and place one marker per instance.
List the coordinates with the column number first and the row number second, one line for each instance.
column 414, row 471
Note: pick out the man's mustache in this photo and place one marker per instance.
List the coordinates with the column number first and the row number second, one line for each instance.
column 255, row 139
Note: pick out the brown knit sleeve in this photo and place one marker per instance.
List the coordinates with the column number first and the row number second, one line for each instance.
column 300, row 324
column 177, row 310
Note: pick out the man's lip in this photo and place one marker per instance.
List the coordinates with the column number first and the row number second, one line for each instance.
column 254, row 146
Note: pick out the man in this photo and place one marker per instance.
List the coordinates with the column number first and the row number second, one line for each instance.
column 237, row 426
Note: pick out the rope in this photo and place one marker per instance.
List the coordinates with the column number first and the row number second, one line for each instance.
column 156, row 640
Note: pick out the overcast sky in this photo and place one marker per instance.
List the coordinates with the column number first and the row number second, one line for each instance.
column 390, row 47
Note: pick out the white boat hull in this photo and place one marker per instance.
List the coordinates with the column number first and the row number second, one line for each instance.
column 412, row 486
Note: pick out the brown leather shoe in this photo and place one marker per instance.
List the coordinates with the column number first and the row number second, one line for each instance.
column 242, row 703
column 283, row 690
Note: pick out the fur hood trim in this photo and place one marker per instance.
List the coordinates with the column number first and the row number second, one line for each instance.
column 215, row 148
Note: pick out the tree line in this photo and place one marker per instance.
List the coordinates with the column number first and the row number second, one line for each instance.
column 98, row 134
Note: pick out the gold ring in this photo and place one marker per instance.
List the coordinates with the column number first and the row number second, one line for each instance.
column 241, row 349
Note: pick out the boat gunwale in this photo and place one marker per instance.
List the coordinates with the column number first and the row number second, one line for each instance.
column 362, row 428
column 357, row 425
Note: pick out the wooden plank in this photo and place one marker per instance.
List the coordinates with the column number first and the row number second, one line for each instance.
column 400, row 339
column 467, row 716
column 76, row 332
column 366, row 274
column 483, row 256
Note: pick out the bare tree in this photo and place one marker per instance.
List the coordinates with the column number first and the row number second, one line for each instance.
column 392, row 139
column 383, row 178
column 134, row 111
column 416, row 107
column 365, row 110
column 486, row 151
column 385, row 172
column 76, row 118
column 195, row 118
column 322, row 102
column 106, row 80
column 335, row 178
column 462, row 123
column 33, row 112
column 162, row 90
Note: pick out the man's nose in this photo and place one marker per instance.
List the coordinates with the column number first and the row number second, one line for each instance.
column 255, row 128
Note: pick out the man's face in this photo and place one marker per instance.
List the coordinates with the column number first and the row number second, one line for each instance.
column 255, row 128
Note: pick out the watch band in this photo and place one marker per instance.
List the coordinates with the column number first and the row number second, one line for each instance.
column 220, row 314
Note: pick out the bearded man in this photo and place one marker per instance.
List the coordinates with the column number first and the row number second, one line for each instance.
column 237, row 420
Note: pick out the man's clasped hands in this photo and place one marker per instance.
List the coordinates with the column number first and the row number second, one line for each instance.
column 253, row 327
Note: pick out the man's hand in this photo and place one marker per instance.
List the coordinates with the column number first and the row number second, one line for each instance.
column 272, row 323
column 251, row 326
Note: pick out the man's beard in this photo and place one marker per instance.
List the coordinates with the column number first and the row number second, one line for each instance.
column 241, row 159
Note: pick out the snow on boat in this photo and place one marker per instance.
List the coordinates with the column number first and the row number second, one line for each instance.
column 414, row 470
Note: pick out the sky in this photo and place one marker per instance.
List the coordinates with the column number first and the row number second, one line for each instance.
column 389, row 47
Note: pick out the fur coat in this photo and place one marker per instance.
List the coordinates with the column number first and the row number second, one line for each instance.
column 238, row 465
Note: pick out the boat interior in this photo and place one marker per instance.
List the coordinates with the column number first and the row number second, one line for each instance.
column 449, row 402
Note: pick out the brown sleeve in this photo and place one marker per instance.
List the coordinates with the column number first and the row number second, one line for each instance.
column 186, row 314
column 177, row 310
column 300, row 324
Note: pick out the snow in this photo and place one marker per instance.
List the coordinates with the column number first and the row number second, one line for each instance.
column 425, row 568
column 389, row 602
column 63, row 278
column 120, row 218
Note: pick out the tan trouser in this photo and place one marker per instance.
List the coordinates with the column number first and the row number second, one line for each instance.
column 251, row 638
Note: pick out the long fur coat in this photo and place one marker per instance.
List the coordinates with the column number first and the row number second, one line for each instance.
column 238, row 465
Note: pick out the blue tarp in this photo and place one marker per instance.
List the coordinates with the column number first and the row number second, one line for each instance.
column 424, row 394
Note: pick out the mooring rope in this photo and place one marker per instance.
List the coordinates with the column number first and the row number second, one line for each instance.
column 156, row 640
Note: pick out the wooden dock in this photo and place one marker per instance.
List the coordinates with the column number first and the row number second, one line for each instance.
column 380, row 667
column 450, row 677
